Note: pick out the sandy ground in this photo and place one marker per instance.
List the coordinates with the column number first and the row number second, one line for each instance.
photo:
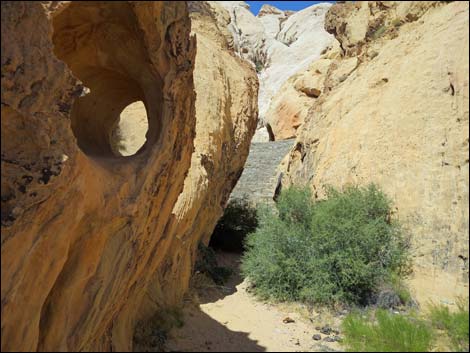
column 230, row 319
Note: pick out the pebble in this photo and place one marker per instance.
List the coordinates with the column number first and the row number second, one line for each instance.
column 288, row 320
column 316, row 337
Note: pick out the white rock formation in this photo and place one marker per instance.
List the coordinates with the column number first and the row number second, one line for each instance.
column 279, row 43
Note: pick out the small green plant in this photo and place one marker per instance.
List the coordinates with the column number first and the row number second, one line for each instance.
column 400, row 288
column 259, row 66
column 333, row 251
column 455, row 324
column 379, row 32
column 151, row 335
column 386, row 332
column 206, row 263
column 238, row 220
column 397, row 22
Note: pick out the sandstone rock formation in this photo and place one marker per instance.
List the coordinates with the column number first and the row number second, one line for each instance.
column 226, row 119
column 279, row 44
column 89, row 238
column 393, row 109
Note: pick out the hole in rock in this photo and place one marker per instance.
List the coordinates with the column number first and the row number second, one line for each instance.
column 128, row 136
column 119, row 112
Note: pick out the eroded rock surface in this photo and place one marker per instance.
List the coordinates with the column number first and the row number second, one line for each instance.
column 226, row 119
column 86, row 234
column 278, row 43
column 393, row 109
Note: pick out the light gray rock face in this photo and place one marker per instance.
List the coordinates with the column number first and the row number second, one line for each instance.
column 271, row 18
column 278, row 43
column 260, row 176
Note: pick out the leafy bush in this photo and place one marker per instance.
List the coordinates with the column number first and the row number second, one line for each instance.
column 238, row 220
column 455, row 324
column 206, row 263
column 387, row 333
column 259, row 66
column 400, row 289
column 337, row 250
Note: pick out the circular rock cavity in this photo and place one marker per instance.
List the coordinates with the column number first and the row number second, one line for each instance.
column 104, row 48
column 128, row 136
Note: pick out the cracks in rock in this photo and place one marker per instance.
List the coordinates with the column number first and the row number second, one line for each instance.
column 452, row 89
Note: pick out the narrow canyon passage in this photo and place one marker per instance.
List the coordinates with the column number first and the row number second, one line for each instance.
column 229, row 318
column 129, row 129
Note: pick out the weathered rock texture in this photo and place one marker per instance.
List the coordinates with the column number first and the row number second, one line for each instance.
column 89, row 238
column 393, row 110
column 260, row 176
column 279, row 44
column 226, row 119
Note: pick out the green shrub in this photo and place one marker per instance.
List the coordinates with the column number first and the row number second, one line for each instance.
column 238, row 220
column 387, row 332
column 337, row 250
column 259, row 66
column 400, row 288
column 379, row 32
column 397, row 22
column 206, row 263
column 455, row 324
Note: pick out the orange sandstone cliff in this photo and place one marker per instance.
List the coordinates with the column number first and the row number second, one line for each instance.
column 92, row 243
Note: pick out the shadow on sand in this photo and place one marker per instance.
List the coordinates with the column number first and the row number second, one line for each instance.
column 210, row 293
column 193, row 337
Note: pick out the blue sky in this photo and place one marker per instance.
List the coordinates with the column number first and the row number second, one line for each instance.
column 282, row 5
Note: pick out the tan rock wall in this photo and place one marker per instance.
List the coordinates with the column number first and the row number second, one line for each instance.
column 357, row 26
column 290, row 107
column 356, row 23
column 400, row 119
column 226, row 119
